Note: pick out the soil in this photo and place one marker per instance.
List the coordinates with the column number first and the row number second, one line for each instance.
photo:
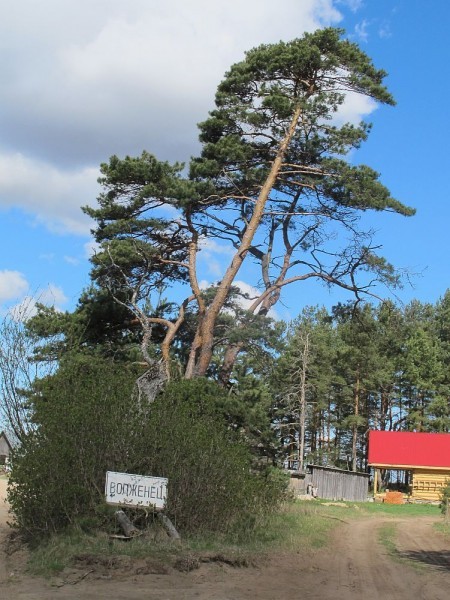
column 355, row 565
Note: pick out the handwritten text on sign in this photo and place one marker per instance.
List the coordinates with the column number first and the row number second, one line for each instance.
column 135, row 490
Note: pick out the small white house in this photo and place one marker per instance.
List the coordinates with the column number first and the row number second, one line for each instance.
column 5, row 448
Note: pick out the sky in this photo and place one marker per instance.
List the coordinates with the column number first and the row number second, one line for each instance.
column 82, row 80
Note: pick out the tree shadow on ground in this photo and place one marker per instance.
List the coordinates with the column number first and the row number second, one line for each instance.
column 438, row 559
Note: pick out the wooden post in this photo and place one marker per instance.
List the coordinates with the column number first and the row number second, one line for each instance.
column 169, row 526
column 127, row 526
column 375, row 481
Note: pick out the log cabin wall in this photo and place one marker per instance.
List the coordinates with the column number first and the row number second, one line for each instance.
column 427, row 484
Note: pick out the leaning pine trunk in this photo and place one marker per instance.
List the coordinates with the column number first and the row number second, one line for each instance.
column 208, row 323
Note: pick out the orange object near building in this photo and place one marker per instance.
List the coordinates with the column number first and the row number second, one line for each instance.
column 393, row 498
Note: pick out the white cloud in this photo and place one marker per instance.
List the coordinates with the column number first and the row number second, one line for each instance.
column 361, row 32
column 12, row 285
column 384, row 31
column 23, row 310
column 90, row 248
column 52, row 295
column 54, row 196
column 208, row 245
column 82, row 81
column 71, row 260
column 212, row 254
column 215, row 268
column 354, row 109
column 14, row 288
column 353, row 5
column 248, row 290
column 252, row 293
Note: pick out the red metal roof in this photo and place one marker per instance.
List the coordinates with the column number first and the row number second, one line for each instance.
column 404, row 448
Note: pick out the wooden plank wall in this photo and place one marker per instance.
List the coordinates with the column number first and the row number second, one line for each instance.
column 297, row 485
column 427, row 484
column 337, row 484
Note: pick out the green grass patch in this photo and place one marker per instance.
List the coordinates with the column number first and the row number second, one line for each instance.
column 303, row 525
column 401, row 510
column 364, row 509
column 443, row 527
column 386, row 535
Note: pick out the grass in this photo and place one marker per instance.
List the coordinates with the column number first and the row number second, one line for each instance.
column 401, row 510
column 365, row 509
column 60, row 551
column 386, row 535
column 443, row 527
column 300, row 526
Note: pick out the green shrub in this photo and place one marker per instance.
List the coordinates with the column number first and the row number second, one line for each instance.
column 445, row 499
column 86, row 425
column 212, row 485
column 89, row 421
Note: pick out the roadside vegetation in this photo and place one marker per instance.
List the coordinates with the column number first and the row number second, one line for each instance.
column 298, row 527
column 443, row 528
column 89, row 420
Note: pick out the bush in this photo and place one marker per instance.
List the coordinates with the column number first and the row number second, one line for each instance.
column 211, row 482
column 86, row 424
column 445, row 499
column 89, row 421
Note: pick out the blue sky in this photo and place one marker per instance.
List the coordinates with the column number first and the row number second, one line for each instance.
column 82, row 80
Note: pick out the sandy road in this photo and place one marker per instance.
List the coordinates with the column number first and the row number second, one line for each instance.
column 359, row 566
column 354, row 566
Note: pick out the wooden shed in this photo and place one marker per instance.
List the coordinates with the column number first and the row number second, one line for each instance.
column 425, row 455
column 5, row 448
column 338, row 484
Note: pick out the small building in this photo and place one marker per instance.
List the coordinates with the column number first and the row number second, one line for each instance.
column 337, row 484
column 5, row 448
column 426, row 456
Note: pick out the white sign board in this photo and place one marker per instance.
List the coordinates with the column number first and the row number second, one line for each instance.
column 124, row 489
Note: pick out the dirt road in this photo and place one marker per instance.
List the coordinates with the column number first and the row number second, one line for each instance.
column 354, row 566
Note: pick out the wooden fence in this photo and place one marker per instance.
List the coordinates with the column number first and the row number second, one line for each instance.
column 337, row 484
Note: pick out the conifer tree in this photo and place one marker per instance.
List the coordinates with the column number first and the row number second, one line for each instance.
column 271, row 182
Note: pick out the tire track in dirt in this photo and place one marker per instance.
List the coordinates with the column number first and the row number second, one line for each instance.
column 364, row 568
column 423, row 545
